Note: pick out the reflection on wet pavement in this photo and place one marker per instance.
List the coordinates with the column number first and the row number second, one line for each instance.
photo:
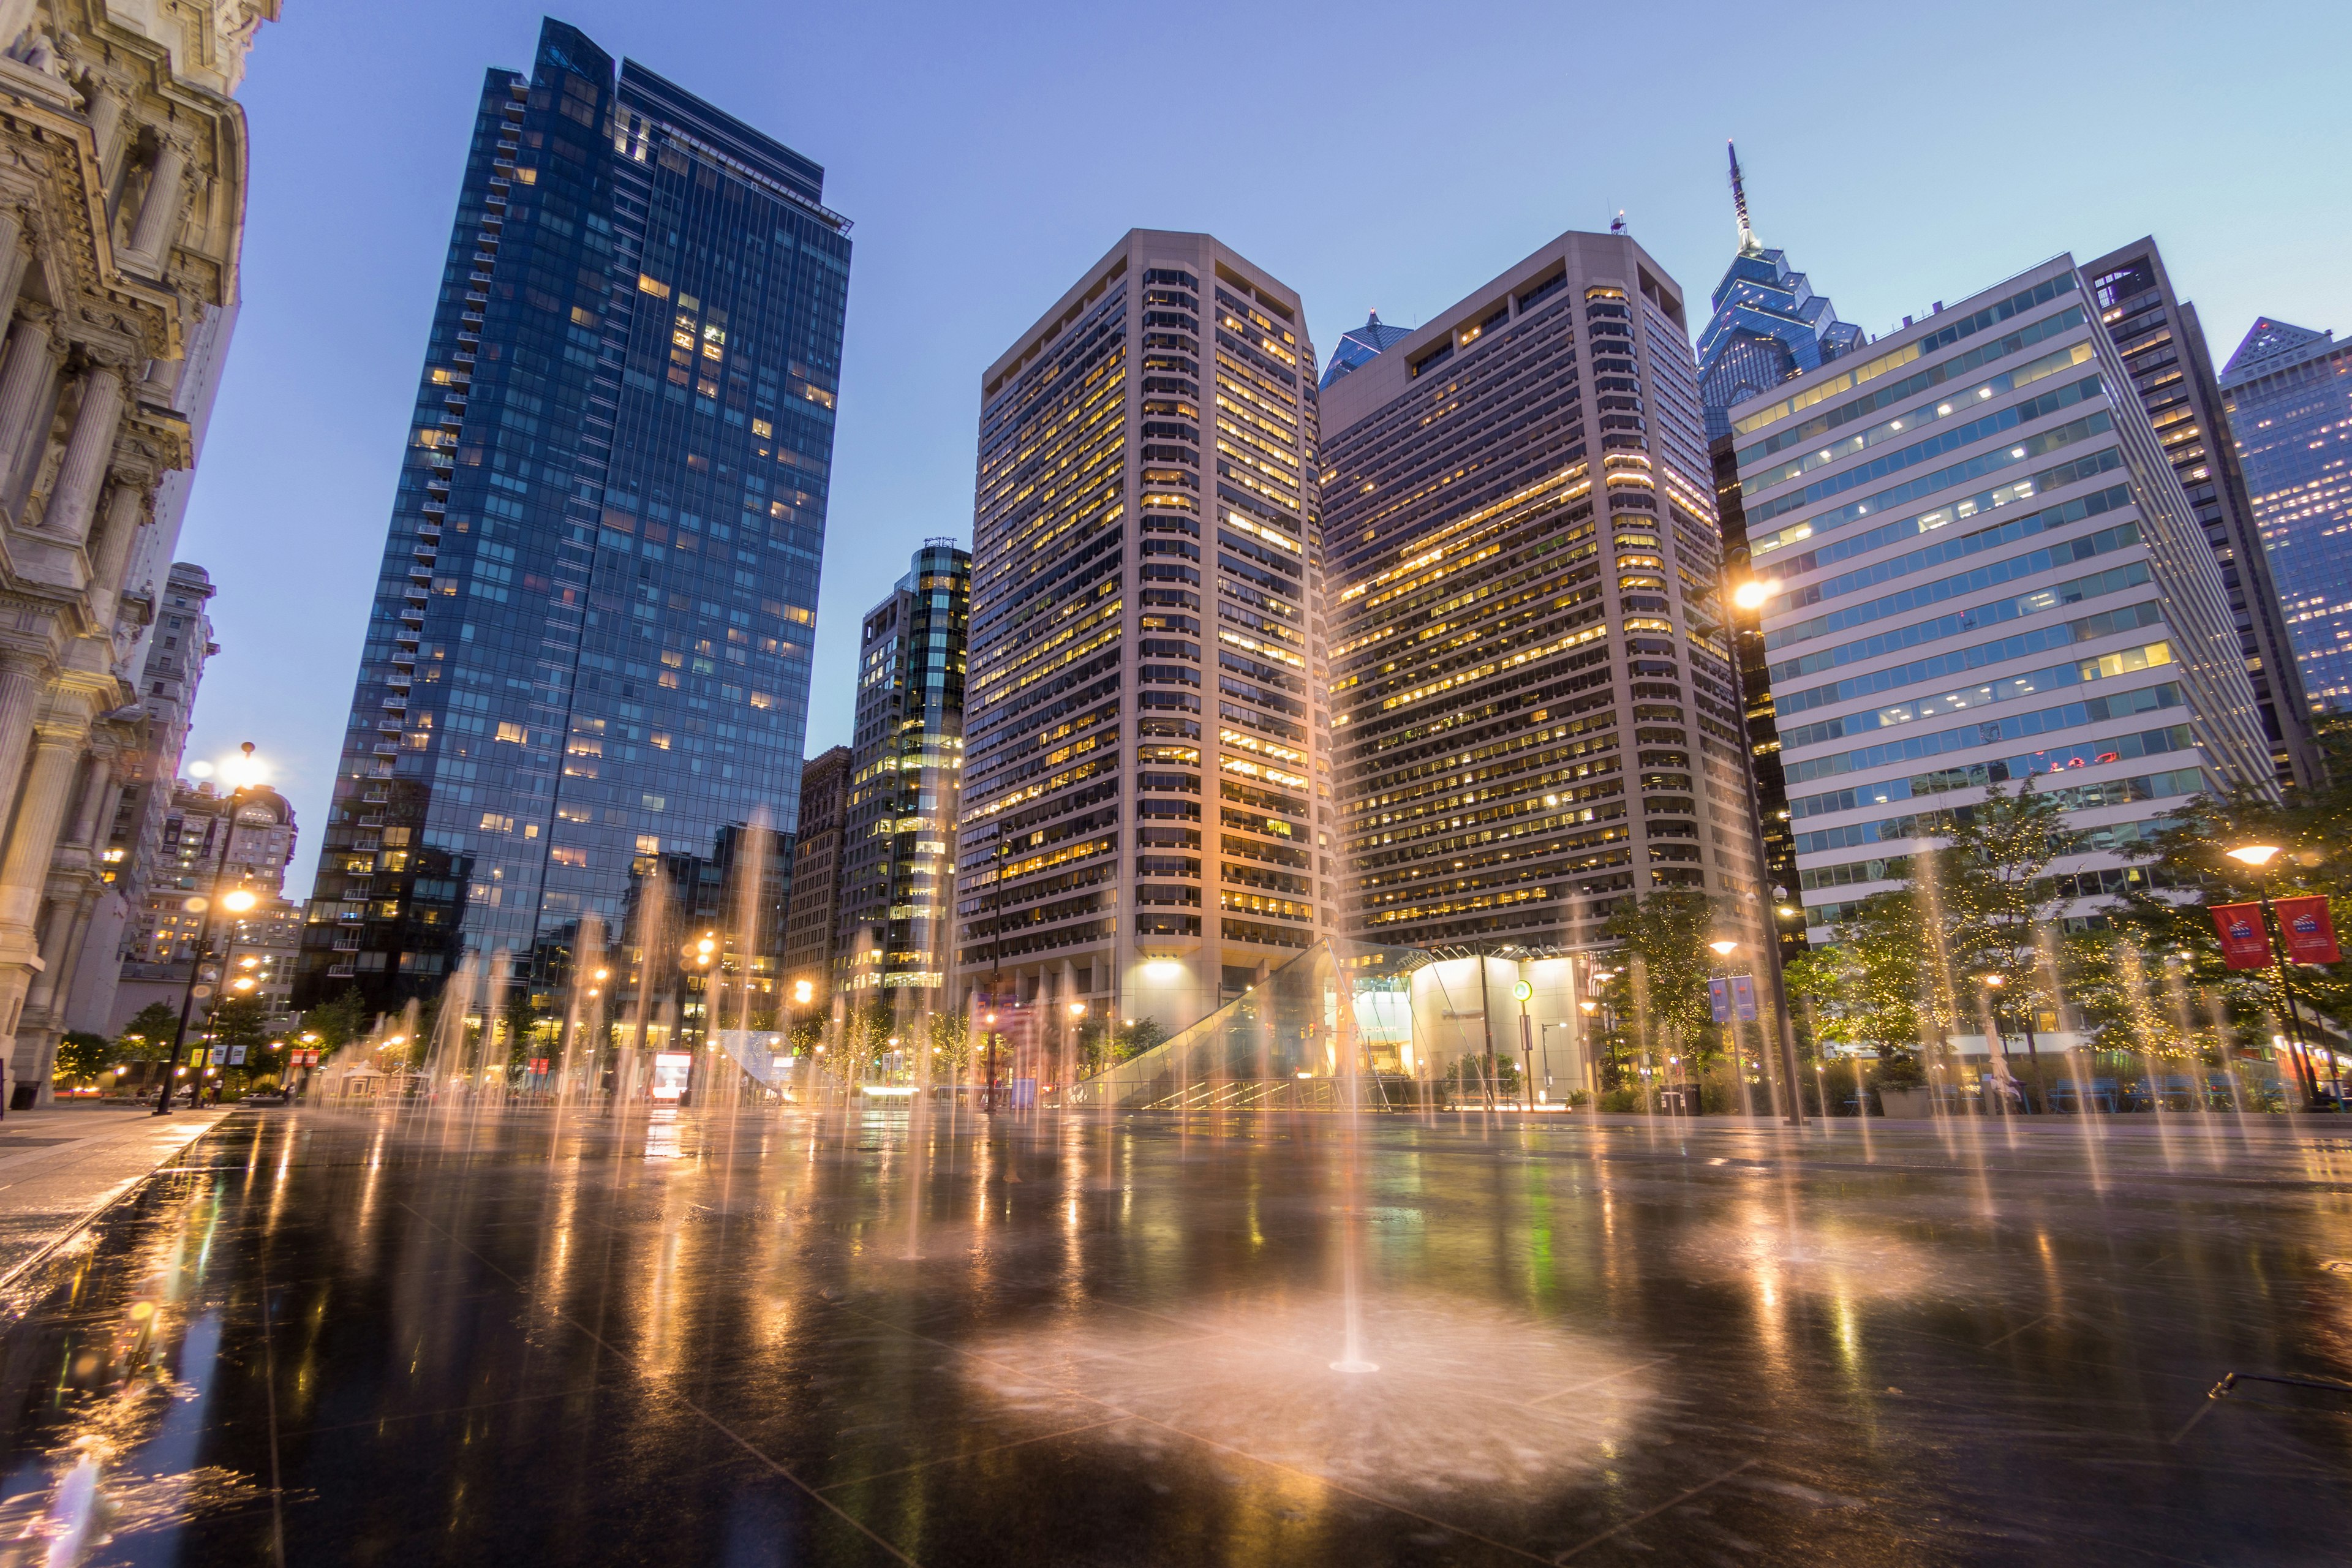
column 878, row 1337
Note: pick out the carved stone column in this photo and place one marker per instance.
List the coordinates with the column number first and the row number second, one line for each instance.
column 25, row 867
column 20, row 699
column 93, row 798
column 16, row 255
column 159, row 214
column 88, row 448
column 24, row 382
column 124, row 515
column 106, row 128
column 55, row 932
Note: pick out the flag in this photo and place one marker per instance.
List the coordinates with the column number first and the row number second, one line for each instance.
column 1718, row 1000
column 2244, row 944
column 2306, row 930
column 1743, row 997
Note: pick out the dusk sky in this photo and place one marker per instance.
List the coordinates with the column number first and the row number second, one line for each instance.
column 1371, row 155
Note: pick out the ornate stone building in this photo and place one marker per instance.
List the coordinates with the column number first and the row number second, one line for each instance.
column 123, row 166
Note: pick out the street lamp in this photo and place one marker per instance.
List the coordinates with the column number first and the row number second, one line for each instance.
column 236, row 901
column 1520, row 992
column 2259, row 856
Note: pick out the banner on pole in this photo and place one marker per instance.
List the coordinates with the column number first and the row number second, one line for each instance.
column 2244, row 944
column 1732, row 997
column 2306, row 929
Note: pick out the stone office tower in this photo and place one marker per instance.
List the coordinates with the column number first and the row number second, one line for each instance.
column 1534, row 711
column 1145, row 796
column 587, row 662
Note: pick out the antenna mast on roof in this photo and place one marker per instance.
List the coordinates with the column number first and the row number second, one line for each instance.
column 1748, row 242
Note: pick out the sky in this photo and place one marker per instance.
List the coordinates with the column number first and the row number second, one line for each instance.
column 1372, row 155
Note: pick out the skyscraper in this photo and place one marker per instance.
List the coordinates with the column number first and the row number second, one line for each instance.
column 2163, row 349
column 588, row 655
column 2290, row 402
column 1145, row 795
column 1535, row 714
column 1768, row 325
column 1978, row 567
column 178, row 644
column 898, row 870
column 812, row 914
column 1361, row 345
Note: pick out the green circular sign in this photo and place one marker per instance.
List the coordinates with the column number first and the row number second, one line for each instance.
column 1523, row 990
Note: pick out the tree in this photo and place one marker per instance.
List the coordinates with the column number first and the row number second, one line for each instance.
column 82, row 1056
column 523, row 1018
column 950, row 1042
column 148, row 1036
column 338, row 1023
column 1662, row 984
column 238, row 1021
column 1103, row 1044
column 806, row 1034
column 1868, row 988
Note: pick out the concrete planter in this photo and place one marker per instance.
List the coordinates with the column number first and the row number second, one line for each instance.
column 1916, row 1103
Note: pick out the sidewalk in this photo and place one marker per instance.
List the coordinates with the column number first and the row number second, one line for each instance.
column 59, row 1167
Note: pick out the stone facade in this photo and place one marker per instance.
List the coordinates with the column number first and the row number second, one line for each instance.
column 121, row 205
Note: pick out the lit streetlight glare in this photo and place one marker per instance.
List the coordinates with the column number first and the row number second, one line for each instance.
column 1723, row 948
column 2256, row 855
column 1752, row 594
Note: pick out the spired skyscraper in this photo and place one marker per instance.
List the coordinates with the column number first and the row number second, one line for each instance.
column 588, row 656
column 1768, row 325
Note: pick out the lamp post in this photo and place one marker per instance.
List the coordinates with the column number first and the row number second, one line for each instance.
column 1750, row 598
column 2260, row 855
column 1591, row 1009
column 239, row 901
column 1520, row 992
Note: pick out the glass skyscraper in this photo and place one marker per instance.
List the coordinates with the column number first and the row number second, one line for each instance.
column 1979, row 566
column 2289, row 391
column 1768, row 325
column 897, row 864
column 587, row 661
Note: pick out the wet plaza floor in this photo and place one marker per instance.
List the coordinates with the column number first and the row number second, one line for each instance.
column 801, row 1338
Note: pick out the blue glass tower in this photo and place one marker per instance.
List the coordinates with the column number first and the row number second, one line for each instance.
column 1768, row 325
column 2289, row 393
column 587, row 660
column 1361, row 346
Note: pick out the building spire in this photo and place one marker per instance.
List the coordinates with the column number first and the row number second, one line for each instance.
column 1749, row 243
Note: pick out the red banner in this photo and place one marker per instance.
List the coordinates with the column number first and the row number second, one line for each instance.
column 2307, row 931
column 2244, row 944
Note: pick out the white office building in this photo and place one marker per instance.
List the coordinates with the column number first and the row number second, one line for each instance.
column 1979, row 567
